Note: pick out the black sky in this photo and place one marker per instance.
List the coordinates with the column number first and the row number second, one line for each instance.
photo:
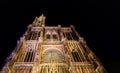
column 96, row 21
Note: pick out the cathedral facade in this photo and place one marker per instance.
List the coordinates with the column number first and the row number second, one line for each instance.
column 52, row 49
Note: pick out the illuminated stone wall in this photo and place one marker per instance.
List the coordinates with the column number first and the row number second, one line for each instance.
column 52, row 49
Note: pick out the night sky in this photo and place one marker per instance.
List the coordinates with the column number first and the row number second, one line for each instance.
column 96, row 21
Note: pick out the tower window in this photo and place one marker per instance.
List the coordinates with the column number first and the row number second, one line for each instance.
column 54, row 36
column 47, row 36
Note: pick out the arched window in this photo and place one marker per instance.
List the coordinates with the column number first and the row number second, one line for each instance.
column 55, row 36
column 48, row 36
column 52, row 56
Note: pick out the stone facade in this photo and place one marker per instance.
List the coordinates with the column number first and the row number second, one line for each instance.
column 52, row 49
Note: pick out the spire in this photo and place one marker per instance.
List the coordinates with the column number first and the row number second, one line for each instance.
column 42, row 14
column 39, row 21
column 42, row 19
